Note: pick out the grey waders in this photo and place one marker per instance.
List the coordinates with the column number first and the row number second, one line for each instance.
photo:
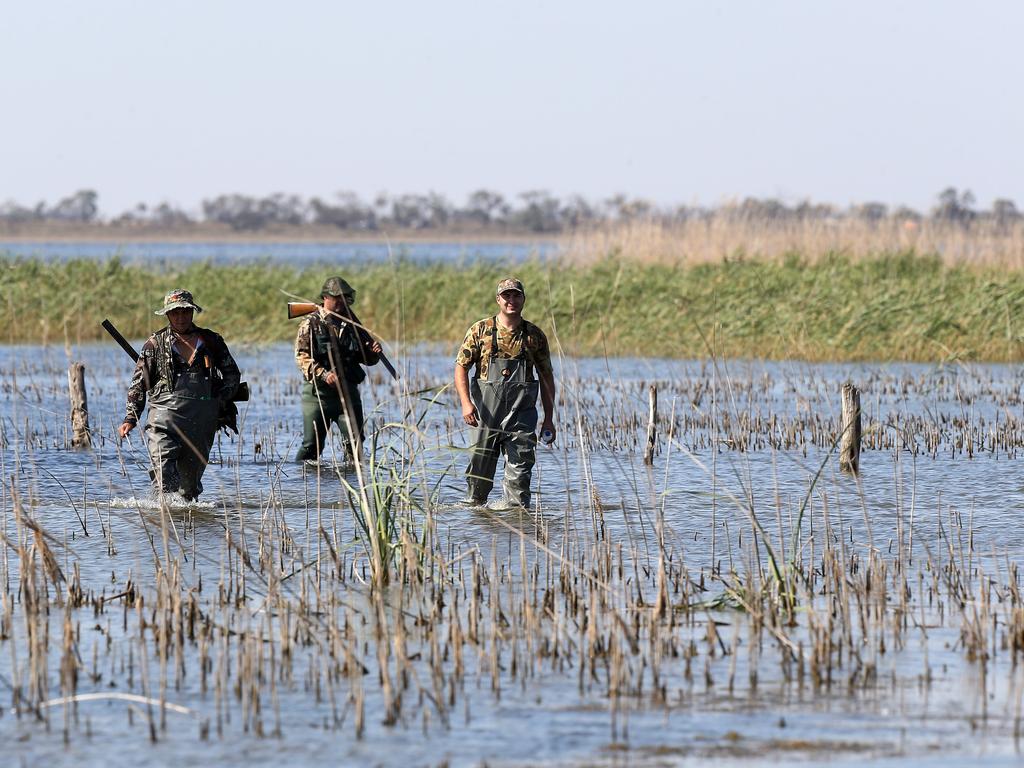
column 506, row 404
column 180, row 428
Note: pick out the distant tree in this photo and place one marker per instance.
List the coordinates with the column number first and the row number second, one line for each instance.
column 632, row 210
column 349, row 213
column 283, row 209
column 486, row 207
column 438, row 210
column 167, row 215
column 410, row 211
column 873, row 212
column 249, row 213
column 15, row 213
column 81, row 207
column 906, row 215
column 540, row 212
column 755, row 209
column 954, row 206
column 577, row 212
column 808, row 211
column 1004, row 212
column 237, row 211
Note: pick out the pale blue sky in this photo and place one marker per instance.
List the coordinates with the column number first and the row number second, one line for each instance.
column 678, row 102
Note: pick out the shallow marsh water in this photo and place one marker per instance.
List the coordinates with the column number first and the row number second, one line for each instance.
column 939, row 496
column 299, row 253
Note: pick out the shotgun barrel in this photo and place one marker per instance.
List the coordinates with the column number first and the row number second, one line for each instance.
column 301, row 308
column 116, row 334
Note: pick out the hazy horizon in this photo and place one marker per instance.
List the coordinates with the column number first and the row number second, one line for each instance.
column 674, row 102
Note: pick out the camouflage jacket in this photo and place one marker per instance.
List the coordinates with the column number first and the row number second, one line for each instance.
column 313, row 341
column 160, row 361
column 477, row 348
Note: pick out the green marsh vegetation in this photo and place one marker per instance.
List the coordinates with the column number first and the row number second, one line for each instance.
column 837, row 307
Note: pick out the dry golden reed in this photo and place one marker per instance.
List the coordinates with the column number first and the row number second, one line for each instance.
column 712, row 239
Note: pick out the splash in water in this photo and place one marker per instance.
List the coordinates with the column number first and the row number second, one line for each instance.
column 171, row 501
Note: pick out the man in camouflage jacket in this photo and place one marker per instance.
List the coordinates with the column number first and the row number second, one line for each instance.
column 189, row 376
column 512, row 362
column 330, row 351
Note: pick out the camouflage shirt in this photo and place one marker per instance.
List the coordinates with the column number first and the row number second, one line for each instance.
column 311, row 353
column 161, row 359
column 476, row 349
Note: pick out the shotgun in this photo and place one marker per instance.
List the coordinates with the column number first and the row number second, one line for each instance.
column 241, row 392
column 301, row 308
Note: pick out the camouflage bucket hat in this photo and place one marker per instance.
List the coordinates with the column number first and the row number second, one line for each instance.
column 178, row 299
column 510, row 284
column 338, row 286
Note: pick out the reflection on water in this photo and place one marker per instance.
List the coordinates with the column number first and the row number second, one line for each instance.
column 737, row 440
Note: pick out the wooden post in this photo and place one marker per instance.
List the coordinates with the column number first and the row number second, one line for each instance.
column 652, row 425
column 849, row 447
column 79, row 407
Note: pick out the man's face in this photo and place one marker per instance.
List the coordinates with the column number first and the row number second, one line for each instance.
column 511, row 302
column 335, row 304
column 180, row 319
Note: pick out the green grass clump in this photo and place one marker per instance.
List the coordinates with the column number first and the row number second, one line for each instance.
column 897, row 306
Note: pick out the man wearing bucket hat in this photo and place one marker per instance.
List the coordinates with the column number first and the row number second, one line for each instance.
column 330, row 351
column 512, row 362
column 188, row 375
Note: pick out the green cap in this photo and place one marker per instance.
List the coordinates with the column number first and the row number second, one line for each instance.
column 338, row 286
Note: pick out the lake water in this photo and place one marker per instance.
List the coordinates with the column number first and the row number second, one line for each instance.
column 297, row 253
column 941, row 479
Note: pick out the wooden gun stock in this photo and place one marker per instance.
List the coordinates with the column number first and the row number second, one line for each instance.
column 301, row 308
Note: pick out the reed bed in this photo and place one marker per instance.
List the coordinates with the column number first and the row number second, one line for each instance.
column 363, row 604
column 830, row 308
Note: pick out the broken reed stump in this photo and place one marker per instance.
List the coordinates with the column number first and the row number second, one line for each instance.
column 652, row 425
column 81, row 438
column 849, row 447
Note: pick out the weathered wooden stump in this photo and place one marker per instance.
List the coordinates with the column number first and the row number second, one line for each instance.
column 849, row 446
column 652, row 425
column 81, row 437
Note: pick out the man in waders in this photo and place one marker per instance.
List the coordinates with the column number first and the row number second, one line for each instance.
column 330, row 351
column 512, row 358
column 189, row 376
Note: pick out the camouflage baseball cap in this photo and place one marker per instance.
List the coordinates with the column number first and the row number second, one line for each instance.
column 338, row 286
column 510, row 284
column 178, row 299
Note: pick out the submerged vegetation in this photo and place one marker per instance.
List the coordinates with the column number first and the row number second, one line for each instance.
column 834, row 307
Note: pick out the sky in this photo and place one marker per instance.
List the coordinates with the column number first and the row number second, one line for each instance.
column 674, row 101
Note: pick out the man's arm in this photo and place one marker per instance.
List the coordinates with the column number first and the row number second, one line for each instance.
column 547, row 399
column 469, row 414
column 143, row 378
column 369, row 348
column 311, row 370
column 225, row 363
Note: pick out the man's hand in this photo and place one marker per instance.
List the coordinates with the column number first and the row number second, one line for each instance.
column 331, row 379
column 469, row 415
column 376, row 348
column 548, row 433
column 124, row 429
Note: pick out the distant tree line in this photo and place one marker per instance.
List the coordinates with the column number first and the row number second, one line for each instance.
column 534, row 212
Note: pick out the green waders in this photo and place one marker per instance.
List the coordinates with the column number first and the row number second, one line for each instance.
column 180, row 429
column 506, row 403
column 321, row 410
